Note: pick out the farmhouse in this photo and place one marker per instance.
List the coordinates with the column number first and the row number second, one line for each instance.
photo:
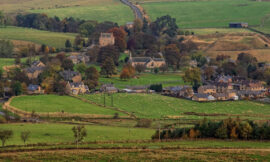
column 203, row 97
column 34, row 89
column 148, row 62
column 238, row 25
column 108, row 88
column 72, row 76
column 79, row 58
column 179, row 91
column 106, row 39
column 76, row 88
column 33, row 72
column 207, row 89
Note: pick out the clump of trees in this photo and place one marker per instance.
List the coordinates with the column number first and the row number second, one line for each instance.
column 6, row 49
column 225, row 129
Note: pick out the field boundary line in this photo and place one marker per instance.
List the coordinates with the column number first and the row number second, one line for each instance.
column 25, row 114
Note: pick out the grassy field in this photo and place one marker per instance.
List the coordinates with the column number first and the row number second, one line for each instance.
column 52, row 39
column 106, row 10
column 205, row 31
column 157, row 106
column 169, row 79
column 57, row 133
column 53, row 103
column 213, row 13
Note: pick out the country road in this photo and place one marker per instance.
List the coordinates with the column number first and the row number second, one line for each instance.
column 136, row 10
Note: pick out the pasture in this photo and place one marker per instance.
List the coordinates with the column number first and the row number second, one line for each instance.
column 52, row 39
column 60, row 133
column 214, row 13
column 54, row 103
column 167, row 79
column 158, row 106
column 106, row 10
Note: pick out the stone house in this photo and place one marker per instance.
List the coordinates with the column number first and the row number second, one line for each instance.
column 148, row 62
column 79, row 58
column 222, row 87
column 34, row 89
column 76, row 88
column 224, row 79
column 207, row 89
column 106, row 39
column 220, row 96
column 108, row 88
column 33, row 72
column 178, row 91
column 129, row 25
column 203, row 97
column 71, row 76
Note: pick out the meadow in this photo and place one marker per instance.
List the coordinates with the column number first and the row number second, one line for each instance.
column 167, row 79
column 106, row 10
column 158, row 106
column 214, row 13
column 61, row 133
column 54, row 103
column 52, row 39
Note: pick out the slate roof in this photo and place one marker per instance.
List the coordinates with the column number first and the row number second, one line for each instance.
column 34, row 69
column 68, row 74
column 141, row 59
column 201, row 95
column 32, row 87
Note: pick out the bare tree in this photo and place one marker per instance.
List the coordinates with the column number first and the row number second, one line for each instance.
column 25, row 136
column 79, row 133
column 5, row 135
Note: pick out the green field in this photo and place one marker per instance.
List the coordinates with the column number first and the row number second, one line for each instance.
column 205, row 31
column 57, row 133
column 52, row 39
column 53, row 103
column 210, row 13
column 157, row 106
column 168, row 79
column 110, row 10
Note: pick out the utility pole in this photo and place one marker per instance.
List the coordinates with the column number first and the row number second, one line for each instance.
column 112, row 99
column 104, row 99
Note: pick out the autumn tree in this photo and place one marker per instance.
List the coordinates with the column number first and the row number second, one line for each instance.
column 137, row 25
column 209, row 73
column 25, row 136
column 172, row 55
column 5, row 135
column 245, row 130
column 67, row 64
column 108, row 68
column 92, row 76
column 125, row 75
column 68, row 45
column 120, row 38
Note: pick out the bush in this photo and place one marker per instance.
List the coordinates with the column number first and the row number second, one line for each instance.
column 144, row 123
column 156, row 87
column 2, row 120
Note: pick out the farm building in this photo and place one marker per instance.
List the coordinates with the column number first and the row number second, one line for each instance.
column 106, row 39
column 148, row 62
column 108, row 88
column 238, row 25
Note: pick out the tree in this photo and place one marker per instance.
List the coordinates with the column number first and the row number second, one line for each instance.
column 140, row 68
column 18, row 59
column 68, row 45
column 245, row 130
column 193, row 76
column 163, row 68
column 209, row 73
column 137, row 25
column 108, row 68
column 87, row 28
column 221, row 132
column 78, row 42
column 108, row 52
column 92, row 76
column 79, row 133
column 5, row 135
column 164, row 25
column 125, row 75
column 6, row 48
column 25, row 136
column 120, row 38
column 17, row 88
column 172, row 55
column 81, row 68
column 67, row 64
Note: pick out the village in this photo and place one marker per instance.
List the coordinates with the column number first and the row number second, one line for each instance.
column 220, row 88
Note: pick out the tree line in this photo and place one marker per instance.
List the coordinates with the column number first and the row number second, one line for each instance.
column 225, row 129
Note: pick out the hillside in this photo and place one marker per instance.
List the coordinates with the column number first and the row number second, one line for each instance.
column 52, row 39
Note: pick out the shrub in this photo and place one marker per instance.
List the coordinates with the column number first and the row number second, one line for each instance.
column 144, row 123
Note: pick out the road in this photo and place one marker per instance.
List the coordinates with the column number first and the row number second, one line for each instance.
column 136, row 10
